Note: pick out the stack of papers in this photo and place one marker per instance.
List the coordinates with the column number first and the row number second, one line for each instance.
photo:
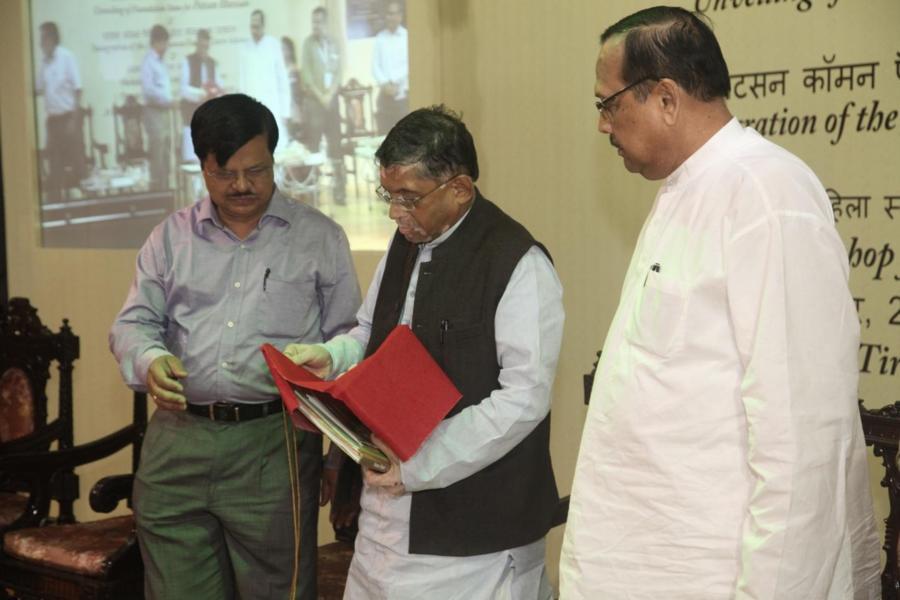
column 399, row 393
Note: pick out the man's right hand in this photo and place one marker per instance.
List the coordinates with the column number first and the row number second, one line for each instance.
column 313, row 357
column 163, row 385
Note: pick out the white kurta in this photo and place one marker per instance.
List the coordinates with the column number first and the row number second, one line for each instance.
column 528, row 330
column 263, row 75
column 723, row 455
column 390, row 60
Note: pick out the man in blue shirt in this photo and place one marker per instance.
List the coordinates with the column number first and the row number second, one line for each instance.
column 156, row 86
column 214, row 281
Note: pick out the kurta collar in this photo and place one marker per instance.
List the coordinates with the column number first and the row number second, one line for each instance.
column 706, row 154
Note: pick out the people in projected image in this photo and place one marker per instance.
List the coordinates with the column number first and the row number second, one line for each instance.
column 199, row 82
column 321, row 73
column 390, row 68
column 262, row 73
column 156, row 86
column 59, row 82
column 295, row 114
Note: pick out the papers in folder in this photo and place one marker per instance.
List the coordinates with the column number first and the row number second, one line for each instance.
column 351, row 440
column 399, row 393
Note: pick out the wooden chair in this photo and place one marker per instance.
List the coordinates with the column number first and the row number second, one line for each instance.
column 129, row 131
column 85, row 156
column 92, row 560
column 357, row 122
column 27, row 351
column 881, row 427
column 95, row 152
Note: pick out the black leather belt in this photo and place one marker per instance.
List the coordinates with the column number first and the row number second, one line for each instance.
column 235, row 412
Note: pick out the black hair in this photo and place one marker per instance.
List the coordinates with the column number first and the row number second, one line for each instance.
column 667, row 41
column 222, row 125
column 436, row 139
column 262, row 17
column 320, row 10
column 203, row 34
column 50, row 29
column 158, row 33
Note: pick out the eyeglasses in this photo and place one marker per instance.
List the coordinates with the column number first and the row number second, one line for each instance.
column 606, row 106
column 407, row 202
column 253, row 174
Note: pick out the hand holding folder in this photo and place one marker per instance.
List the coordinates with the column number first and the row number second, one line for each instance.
column 398, row 393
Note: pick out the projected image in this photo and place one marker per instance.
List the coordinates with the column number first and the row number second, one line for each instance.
column 117, row 81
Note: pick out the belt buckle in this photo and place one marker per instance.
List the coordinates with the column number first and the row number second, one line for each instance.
column 236, row 411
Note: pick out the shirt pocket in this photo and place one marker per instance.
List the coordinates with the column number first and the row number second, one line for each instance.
column 288, row 309
column 657, row 323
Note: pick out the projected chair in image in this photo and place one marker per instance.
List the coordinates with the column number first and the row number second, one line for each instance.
column 300, row 182
column 130, row 147
column 357, row 125
column 77, row 161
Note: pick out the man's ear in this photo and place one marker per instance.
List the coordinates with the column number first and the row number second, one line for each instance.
column 669, row 97
column 463, row 188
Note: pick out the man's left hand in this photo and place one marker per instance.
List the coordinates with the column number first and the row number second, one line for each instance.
column 390, row 480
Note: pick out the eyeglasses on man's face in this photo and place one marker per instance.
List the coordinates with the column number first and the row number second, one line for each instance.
column 607, row 106
column 407, row 202
column 252, row 175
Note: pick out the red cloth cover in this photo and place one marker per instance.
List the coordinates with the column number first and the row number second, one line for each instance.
column 398, row 392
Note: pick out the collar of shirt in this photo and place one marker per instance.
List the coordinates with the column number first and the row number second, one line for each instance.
column 399, row 33
column 706, row 155
column 277, row 209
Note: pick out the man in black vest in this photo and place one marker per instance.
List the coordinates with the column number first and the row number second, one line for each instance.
column 466, row 516
column 199, row 83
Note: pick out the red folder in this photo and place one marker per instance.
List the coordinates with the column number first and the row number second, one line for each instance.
column 398, row 392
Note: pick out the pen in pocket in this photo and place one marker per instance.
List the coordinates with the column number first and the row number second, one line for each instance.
column 656, row 268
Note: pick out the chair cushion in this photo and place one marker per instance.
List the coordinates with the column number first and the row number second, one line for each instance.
column 11, row 507
column 16, row 405
column 333, row 564
column 85, row 548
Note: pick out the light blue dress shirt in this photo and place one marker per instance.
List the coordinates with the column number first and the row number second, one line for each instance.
column 211, row 299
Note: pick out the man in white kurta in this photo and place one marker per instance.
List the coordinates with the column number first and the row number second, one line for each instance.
column 390, row 68
column 723, row 455
column 263, row 74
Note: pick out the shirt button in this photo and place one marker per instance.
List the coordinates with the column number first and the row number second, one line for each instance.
column 237, row 284
column 231, row 323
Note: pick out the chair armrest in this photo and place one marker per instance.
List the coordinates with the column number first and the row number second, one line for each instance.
column 36, row 441
column 109, row 491
column 41, row 463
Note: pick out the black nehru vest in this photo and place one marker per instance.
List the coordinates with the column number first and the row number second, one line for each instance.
column 195, row 72
column 511, row 502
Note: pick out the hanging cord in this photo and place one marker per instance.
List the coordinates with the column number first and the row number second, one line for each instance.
column 290, row 438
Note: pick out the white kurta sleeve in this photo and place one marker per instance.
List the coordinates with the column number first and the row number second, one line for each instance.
column 797, row 334
column 348, row 349
column 528, row 330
